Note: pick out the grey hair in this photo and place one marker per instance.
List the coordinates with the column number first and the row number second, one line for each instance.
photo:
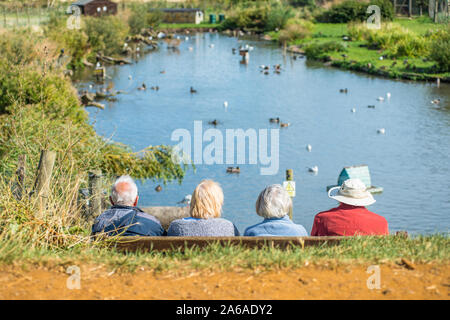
column 124, row 197
column 273, row 202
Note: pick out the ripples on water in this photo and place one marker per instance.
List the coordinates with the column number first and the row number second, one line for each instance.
column 411, row 161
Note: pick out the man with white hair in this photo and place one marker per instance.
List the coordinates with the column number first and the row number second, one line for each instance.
column 124, row 217
column 351, row 216
column 273, row 204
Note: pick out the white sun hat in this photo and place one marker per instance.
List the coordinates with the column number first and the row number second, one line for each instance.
column 353, row 192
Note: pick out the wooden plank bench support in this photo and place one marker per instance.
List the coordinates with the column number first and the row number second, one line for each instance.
column 169, row 243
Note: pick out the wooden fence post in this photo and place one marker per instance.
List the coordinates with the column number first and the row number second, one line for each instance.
column 21, row 171
column 290, row 177
column 95, row 192
column 43, row 176
column 4, row 17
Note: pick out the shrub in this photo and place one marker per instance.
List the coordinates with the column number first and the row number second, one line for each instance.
column 277, row 18
column 319, row 50
column 295, row 29
column 137, row 21
column 155, row 18
column 74, row 42
column 252, row 19
column 344, row 12
column 106, row 34
column 302, row 3
column 352, row 10
column 440, row 49
column 397, row 41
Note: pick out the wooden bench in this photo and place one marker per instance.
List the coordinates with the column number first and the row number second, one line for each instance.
column 169, row 243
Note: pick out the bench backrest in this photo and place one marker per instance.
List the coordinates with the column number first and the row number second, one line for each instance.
column 168, row 243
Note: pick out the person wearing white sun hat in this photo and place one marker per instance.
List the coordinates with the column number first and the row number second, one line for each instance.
column 350, row 217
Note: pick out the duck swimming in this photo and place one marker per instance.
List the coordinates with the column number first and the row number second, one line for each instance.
column 143, row 87
column 233, row 170
column 284, row 125
column 193, row 90
column 314, row 169
column 275, row 120
column 436, row 101
column 214, row 122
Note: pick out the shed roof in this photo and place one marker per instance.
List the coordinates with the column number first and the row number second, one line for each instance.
column 81, row 2
column 361, row 172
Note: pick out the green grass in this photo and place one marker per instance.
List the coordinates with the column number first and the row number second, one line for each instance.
column 324, row 32
column 357, row 250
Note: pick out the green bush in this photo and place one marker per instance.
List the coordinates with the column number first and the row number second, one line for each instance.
column 352, row 10
column 106, row 34
column 155, row 18
column 295, row 29
column 263, row 18
column 440, row 49
column 74, row 42
column 251, row 19
column 277, row 18
column 395, row 40
column 319, row 50
column 302, row 3
column 137, row 21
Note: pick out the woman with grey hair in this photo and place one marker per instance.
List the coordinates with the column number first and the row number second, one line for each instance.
column 273, row 205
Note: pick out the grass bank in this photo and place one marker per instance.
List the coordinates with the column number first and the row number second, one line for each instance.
column 327, row 43
column 354, row 250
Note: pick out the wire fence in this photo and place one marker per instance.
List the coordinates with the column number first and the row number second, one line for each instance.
column 11, row 17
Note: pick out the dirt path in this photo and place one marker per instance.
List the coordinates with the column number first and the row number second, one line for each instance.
column 311, row 282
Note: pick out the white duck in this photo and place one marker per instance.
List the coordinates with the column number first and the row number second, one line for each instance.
column 225, row 104
column 353, row 110
column 381, row 131
column 308, row 147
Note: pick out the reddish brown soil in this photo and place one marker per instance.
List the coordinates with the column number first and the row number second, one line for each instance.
column 431, row 281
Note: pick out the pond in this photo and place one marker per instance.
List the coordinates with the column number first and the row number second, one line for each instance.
column 411, row 161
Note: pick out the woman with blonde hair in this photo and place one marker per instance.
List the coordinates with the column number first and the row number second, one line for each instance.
column 205, row 210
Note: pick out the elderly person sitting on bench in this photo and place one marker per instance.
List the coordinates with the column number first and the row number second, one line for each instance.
column 350, row 217
column 124, row 218
column 205, row 211
column 273, row 205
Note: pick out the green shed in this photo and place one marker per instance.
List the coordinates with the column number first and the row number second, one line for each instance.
column 361, row 172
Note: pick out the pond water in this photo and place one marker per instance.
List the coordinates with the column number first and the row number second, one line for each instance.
column 411, row 161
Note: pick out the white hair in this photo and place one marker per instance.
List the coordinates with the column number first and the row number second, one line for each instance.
column 125, row 197
column 273, row 202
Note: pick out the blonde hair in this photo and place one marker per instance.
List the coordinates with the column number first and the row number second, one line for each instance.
column 207, row 200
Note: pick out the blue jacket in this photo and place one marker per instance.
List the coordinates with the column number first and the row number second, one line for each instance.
column 127, row 221
column 276, row 227
column 193, row 227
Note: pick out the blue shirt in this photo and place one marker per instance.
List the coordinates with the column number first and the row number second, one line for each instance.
column 276, row 227
column 127, row 221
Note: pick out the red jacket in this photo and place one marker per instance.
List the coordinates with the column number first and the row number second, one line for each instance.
column 347, row 220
